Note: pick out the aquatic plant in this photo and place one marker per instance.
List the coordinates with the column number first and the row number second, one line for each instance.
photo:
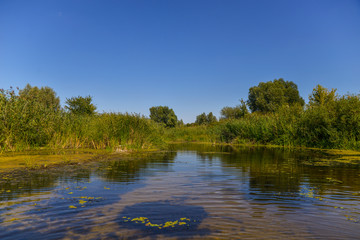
column 146, row 222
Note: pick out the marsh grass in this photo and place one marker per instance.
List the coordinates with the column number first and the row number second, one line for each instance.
column 27, row 124
column 200, row 133
column 326, row 127
column 107, row 131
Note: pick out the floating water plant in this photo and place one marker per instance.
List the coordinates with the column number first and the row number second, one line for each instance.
column 163, row 217
column 146, row 222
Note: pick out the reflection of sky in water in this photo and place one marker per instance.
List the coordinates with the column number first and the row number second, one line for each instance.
column 236, row 195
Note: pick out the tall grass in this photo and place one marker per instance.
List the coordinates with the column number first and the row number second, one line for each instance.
column 28, row 124
column 200, row 133
column 333, row 125
column 107, row 130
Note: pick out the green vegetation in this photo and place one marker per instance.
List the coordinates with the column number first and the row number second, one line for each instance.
column 234, row 112
column 201, row 133
column 163, row 115
column 205, row 119
column 270, row 96
column 279, row 118
column 80, row 105
column 33, row 118
column 45, row 96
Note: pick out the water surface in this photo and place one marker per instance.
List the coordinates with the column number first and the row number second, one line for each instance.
column 190, row 192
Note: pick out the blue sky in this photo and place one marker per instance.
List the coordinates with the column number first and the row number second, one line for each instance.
column 194, row 56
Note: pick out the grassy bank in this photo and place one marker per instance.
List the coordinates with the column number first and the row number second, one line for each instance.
column 335, row 125
column 30, row 123
column 63, row 130
column 44, row 159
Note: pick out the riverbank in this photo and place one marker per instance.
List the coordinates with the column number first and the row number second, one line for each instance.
column 323, row 157
column 53, row 158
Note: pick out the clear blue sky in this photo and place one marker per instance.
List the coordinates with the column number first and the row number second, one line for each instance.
column 192, row 55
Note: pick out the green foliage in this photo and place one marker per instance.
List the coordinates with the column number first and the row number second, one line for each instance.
column 234, row 112
column 322, row 96
column 80, row 105
column 205, row 119
column 45, row 96
column 164, row 115
column 180, row 123
column 31, row 117
column 27, row 123
column 107, row 130
column 200, row 133
column 211, row 118
column 270, row 96
column 24, row 121
column 329, row 121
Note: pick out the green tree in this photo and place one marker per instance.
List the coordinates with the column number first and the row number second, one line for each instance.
column 270, row 96
column 205, row 119
column 211, row 118
column 180, row 123
column 80, row 105
column 321, row 96
column 44, row 96
column 234, row 112
column 201, row 119
column 163, row 114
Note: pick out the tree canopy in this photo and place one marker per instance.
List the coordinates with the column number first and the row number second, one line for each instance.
column 80, row 105
column 163, row 114
column 205, row 119
column 270, row 96
column 44, row 96
column 321, row 96
column 234, row 112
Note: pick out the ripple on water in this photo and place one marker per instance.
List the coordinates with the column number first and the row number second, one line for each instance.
column 164, row 218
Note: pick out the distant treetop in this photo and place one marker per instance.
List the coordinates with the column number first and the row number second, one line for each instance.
column 45, row 96
column 163, row 114
column 80, row 105
column 205, row 119
column 270, row 96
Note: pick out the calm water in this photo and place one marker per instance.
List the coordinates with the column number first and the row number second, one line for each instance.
column 191, row 192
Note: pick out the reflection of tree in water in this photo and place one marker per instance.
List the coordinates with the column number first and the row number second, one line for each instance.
column 28, row 194
column 333, row 178
column 277, row 170
column 163, row 218
column 128, row 170
column 25, row 183
column 273, row 170
column 28, row 182
column 201, row 148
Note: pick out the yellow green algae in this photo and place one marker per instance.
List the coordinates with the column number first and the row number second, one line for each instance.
column 145, row 221
column 310, row 193
column 37, row 159
column 45, row 158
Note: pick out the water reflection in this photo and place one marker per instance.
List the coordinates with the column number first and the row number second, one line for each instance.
column 230, row 193
column 128, row 170
column 163, row 218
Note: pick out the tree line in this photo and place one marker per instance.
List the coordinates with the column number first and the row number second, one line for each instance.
column 265, row 98
column 274, row 113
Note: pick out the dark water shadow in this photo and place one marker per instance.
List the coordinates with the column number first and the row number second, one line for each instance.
column 120, row 175
column 163, row 218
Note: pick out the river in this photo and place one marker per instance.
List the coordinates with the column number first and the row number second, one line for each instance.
column 192, row 191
